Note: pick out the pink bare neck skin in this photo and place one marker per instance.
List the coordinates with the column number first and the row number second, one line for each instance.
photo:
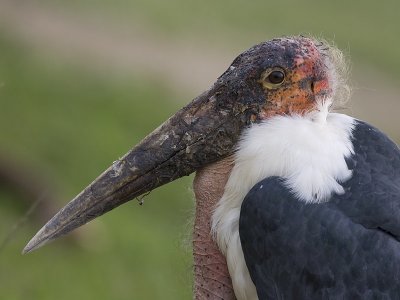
column 211, row 276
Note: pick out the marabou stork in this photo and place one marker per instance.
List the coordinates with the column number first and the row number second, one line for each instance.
column 303, row 203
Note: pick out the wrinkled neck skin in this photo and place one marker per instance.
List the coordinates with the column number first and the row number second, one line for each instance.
column 211, row 276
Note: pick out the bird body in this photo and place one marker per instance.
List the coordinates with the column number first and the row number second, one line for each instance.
column 303, row 181
column 293, row 148
column 310, row 208
column 346, row 247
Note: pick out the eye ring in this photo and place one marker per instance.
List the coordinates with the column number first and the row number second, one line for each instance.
column 273, row 78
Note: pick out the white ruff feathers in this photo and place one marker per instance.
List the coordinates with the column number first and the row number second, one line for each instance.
column 307, row 151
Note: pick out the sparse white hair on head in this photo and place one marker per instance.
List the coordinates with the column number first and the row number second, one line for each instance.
column 338, row 71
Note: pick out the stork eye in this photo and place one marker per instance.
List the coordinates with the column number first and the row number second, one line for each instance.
column 276, row 77
column 272, row 79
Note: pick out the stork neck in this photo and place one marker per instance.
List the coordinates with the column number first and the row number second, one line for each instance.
column 211, row 276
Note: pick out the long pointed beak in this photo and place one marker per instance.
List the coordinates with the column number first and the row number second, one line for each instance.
column 200, row 133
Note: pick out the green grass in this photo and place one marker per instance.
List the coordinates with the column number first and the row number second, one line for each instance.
column 71, row 124
column 368, row 30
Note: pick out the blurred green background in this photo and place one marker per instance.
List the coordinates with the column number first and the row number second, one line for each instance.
column 82, row 81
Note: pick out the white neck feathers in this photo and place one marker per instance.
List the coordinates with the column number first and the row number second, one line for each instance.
column 308, row 154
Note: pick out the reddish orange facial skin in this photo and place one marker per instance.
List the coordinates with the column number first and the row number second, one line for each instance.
column 305, row 83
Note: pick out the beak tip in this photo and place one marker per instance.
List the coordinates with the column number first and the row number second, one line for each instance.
column 36, row 242
column 26, row 250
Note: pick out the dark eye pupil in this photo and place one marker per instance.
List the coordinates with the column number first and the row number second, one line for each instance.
column 276, row 77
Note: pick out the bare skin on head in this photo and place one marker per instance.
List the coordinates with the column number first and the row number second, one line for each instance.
column 211, row 276
column 302, row 85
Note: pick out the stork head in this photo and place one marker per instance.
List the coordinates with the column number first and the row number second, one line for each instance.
column 291, row 75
